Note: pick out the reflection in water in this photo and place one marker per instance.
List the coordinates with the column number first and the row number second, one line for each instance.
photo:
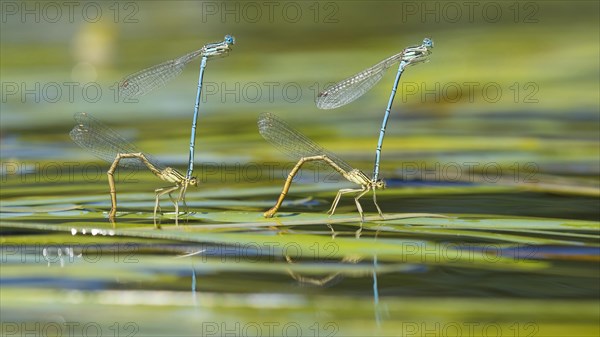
column 325, row 281
column 194, row 295
column 194, row 279
column 334, row 278
column 376, row 307
column 376, row 292
column 54, row 255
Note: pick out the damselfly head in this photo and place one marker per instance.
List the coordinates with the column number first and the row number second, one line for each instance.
column 379, row 184
column 417, row 54
column 427, row 43
column 229, row 39
column 193, row 182
column 219, row 49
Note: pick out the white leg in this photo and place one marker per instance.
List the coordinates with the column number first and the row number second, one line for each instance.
column 182, row 197
column 358, row 206
column 375, row 202
column 160, row 192
column 333, row 233
column 175, row 205
column 339, row 195
column 177, row 214
column 334, row 203
column 358, row 231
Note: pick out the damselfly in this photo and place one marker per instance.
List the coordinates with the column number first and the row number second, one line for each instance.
column 146, row 80
column 108, row 145
column 355, row 86
column 293, row 143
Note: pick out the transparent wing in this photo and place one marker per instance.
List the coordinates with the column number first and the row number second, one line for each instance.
column 292, row 142
column 105, row 143
column 355, row 86
column 144, row 81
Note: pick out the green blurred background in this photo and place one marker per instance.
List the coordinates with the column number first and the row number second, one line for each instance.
column 499, row 70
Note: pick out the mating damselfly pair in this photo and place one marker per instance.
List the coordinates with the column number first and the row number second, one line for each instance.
column 108, row 145
column 290, row 141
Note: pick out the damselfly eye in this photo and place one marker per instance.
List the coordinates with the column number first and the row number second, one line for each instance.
column 229, row 39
